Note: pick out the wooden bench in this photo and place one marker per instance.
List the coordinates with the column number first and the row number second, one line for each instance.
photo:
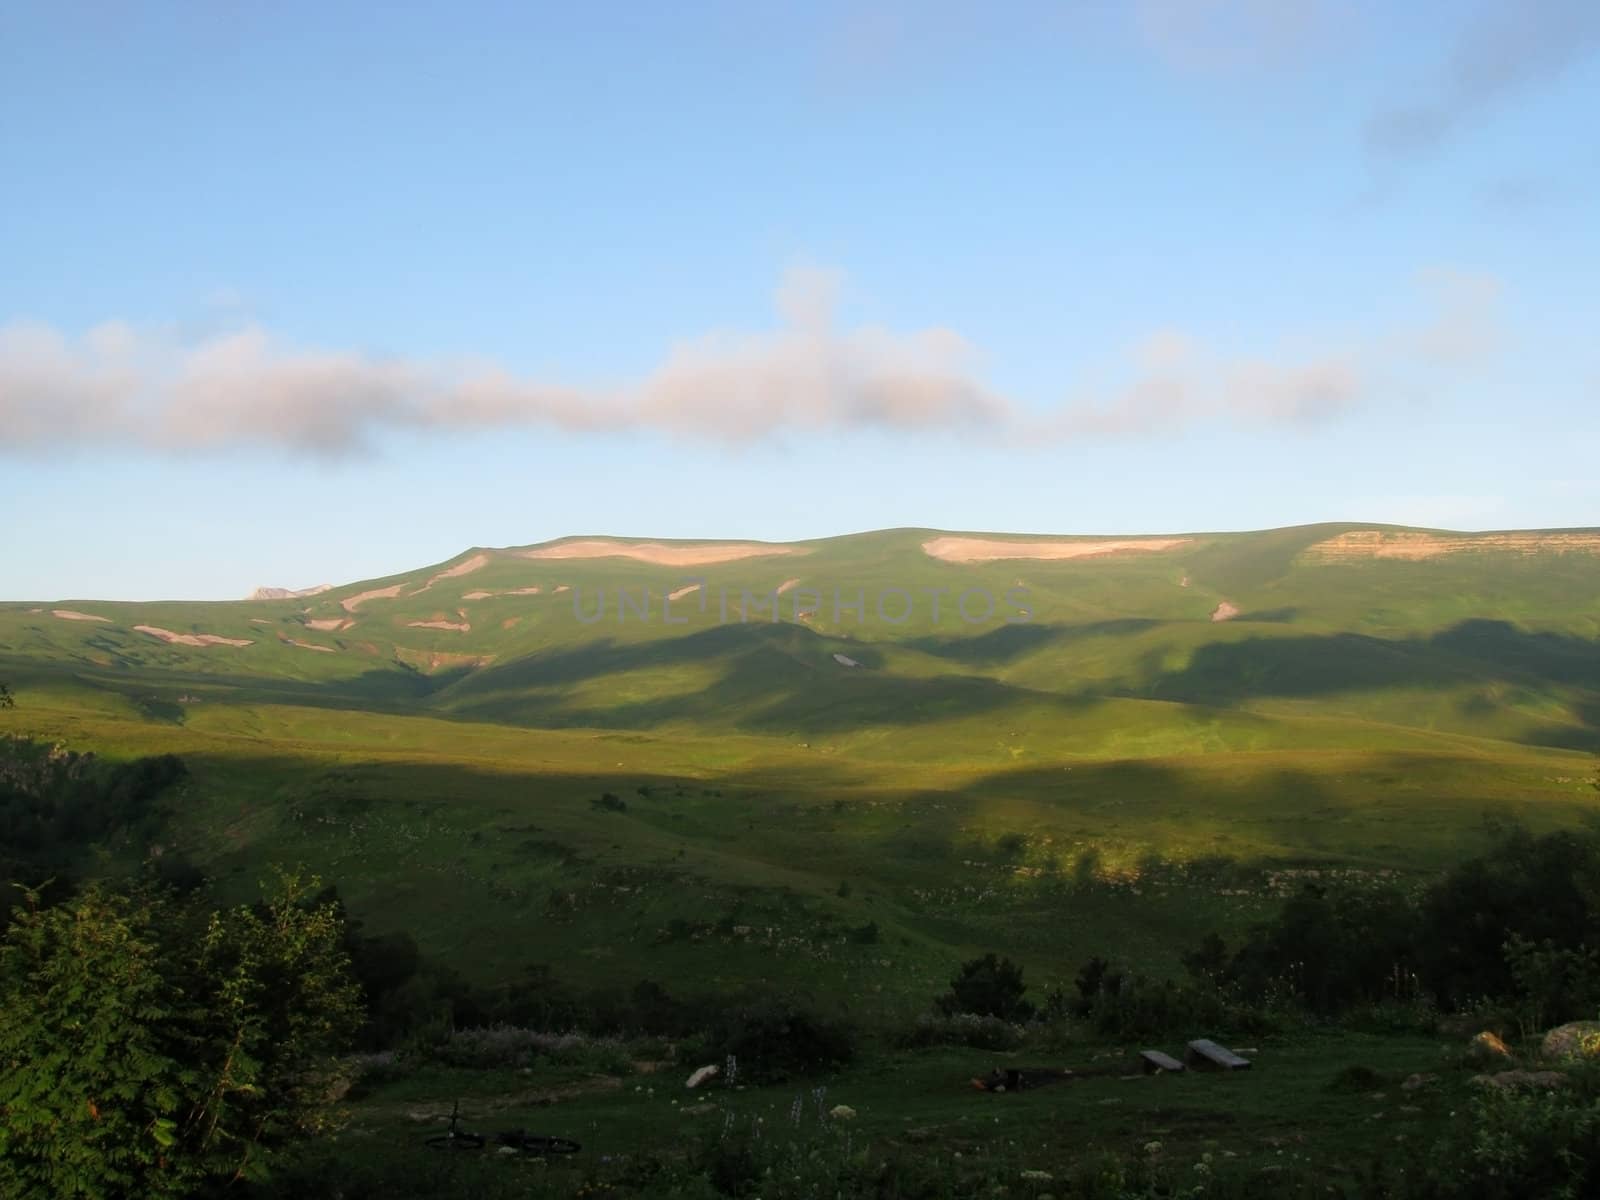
column 1155, row 1061
column 1203, row 1052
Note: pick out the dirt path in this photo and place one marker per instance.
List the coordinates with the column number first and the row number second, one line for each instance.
column 978, row 550
column 658, row 553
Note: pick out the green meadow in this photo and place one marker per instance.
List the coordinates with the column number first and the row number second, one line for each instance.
column 522, row 763
column 1120, row 771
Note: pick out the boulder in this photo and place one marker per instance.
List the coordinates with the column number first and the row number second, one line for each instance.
column 1576, row 1039
column 1486, row 1049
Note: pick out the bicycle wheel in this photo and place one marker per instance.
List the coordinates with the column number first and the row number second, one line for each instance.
column 533, row 1143
column 455, row 1141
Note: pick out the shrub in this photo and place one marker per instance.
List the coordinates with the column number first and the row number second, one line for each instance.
column 1541, row 889
column 1096, row 978
column 775, row 1040
column 1515, row 1145
column 147, row 1049
column 990, row 987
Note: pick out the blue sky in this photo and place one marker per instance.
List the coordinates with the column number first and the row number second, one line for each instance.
column 291, row 295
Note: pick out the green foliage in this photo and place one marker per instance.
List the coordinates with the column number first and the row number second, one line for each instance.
column 1144, row 1008
column 1543, row 889
column 95, row 1080
column 6, row 699
column 776, row 1039
column 1332, row 949
column 989, row 987
column 1516, row 1144
column 609, row 802
column 147, row 1047
column 1515, row 924
column 1094, row 980
column 1208, row 963
column 55, row 802
column 1553, row 983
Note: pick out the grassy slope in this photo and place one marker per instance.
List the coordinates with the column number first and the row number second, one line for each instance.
column 1363, row 715
column 1287, row 1114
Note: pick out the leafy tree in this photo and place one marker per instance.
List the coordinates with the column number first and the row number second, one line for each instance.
column 1332, row 948
column 774, row 1039
column 1553, row 982
column 1209, row 962
column 55, row 802
column 1095, row 979
column 1541, row 889
column 92, row 1082
column 147, row 1048
column 990, row 987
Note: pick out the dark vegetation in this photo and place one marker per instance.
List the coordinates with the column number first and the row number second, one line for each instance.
column 56, row 803
column 153, row 1044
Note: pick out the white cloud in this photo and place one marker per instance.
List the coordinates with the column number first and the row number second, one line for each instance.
column 117, row 384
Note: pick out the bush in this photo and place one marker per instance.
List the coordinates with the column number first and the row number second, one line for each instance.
column 1515, row 1145
column 776, row 1040
column 1544, row 890
column 148, row 1049
column 1143, row 1009
column 990, row 987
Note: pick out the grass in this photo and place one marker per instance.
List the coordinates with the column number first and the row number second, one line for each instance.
column 1119, row 777
column 1366, row 716
column 1294, row 1114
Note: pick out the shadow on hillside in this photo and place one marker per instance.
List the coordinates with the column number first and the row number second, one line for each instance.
column 781, row 678
column 1291, row 807
column 767, row 679
column 1473, row 652
column 1268, row 616
column 388, row 689
column 1009, row 642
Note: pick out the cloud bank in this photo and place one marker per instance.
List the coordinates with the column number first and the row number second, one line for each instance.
column 1512, row 45
column 118, row 385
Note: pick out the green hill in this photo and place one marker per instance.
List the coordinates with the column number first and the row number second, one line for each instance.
column 1187, row 717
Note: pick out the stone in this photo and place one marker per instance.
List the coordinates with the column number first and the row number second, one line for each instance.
column 1576, row 1039
column 1487, row 1048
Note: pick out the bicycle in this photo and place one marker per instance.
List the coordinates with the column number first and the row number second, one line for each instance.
column 520, row 1140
